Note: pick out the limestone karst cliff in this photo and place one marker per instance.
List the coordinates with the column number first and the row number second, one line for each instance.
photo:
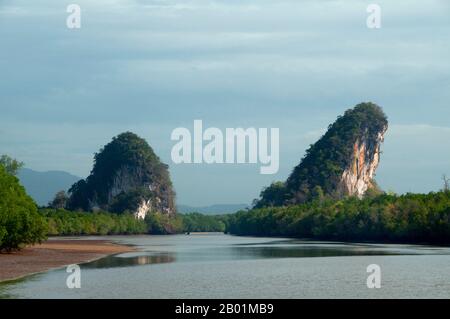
column 127, row 176
column 341, row 163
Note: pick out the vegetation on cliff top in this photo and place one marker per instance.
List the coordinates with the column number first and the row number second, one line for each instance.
column 320, row 170
column 129, row 154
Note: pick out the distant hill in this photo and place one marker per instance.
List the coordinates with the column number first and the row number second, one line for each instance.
column 213, row 209
column 42, row 186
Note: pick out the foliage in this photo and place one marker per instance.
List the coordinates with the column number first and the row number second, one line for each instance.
column 79, row 196
column 325, row 161
column 196, row 222
column 129, row 201
column 406, row 218
column 63, row 223
column 20, row 223
column 161, row 224
column 273, row 195
column 59, row 201
column 11, row 165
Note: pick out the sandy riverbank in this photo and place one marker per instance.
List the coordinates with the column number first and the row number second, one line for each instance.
column 55, row 253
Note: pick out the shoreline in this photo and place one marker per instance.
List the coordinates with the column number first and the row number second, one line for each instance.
column 56, row 252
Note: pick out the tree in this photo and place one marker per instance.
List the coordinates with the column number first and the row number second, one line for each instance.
column 59, row 201
column 273, row 195
column 446, row 183
column 79, row 194
column 11, row 165
column 20, row 222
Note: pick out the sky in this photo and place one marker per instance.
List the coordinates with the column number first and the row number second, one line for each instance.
column 150, row 66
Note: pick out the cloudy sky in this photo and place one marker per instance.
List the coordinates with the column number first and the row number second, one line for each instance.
column 150, row 66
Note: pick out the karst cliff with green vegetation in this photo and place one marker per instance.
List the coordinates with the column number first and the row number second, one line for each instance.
column 127, row 177
column 341, row 163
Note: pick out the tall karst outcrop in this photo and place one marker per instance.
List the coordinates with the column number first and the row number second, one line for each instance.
column 127, row 176
column 341, row 163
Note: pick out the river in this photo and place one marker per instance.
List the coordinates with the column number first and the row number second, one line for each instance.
column 223, row 266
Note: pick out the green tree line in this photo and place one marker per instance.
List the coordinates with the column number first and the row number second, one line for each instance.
column 196, row 222
column 61, row 222
column 386, row 217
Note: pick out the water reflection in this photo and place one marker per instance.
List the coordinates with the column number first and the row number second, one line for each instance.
column 156, row 253
column 266, row 252
column 236, row 252
column 310, row 251
column 136, row 260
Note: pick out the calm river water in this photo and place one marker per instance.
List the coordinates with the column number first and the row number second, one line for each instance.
column 222, row 266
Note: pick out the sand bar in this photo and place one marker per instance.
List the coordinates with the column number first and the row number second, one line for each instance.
column 55, row 253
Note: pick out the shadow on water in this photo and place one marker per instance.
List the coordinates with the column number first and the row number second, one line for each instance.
column 123, row 261
column 308, row 251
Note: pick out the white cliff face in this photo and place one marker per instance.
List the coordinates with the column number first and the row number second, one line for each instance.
column 143, row 209
column 358, row 177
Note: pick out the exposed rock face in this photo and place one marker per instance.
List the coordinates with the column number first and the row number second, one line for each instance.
column 143, row 208
column 341, row 163
column 127, row 176
column 358, row 178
